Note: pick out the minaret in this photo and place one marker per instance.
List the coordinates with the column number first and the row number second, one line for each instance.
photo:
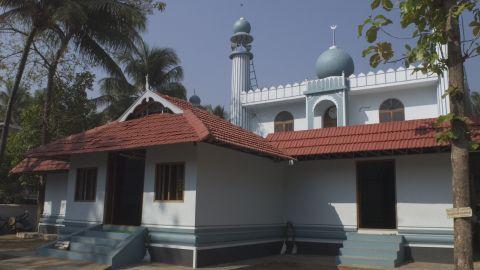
column 241, row 57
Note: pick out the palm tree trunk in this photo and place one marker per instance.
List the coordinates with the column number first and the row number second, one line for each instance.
column 11, row 101
column 52, row 69
column 460, row 147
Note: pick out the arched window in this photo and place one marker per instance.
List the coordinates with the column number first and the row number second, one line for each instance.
column 330, row 117
column 283, row 122
column 392, row 110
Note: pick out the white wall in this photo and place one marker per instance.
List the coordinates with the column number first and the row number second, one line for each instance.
column 424, row 191
column 157, row 213
column 418, row 102
column 321, row 192
column 55, row 194
column 324, row 192
column 91, row 212
column 263, row 117
column 236, row 188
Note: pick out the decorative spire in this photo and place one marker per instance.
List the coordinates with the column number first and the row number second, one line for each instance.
column 147, row 85
column 333, row 27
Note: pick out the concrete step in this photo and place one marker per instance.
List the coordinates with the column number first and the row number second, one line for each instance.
column 73, row 255
column 365, row 252
column 367, row 261
column 96, row 241
column 374, row 237
column 90, row 248
column 119, row 228
column 394, row 246
column 106, row 234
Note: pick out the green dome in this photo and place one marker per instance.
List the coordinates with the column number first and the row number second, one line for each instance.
column 333, row 62
column 195, row 100
column 241, row 26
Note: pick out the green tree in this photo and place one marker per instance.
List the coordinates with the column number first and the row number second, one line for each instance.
column 98, row 28
column 160, row 65
column 217, row 110
column 72, row 112
column 23, row 98
column 438, row 45
column 38, row 16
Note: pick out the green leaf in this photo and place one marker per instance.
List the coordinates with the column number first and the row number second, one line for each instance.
column 375, row 4
column 372, row 34
column 375, row 60
column 475, row 25
column 360, row 30
column 387, row 5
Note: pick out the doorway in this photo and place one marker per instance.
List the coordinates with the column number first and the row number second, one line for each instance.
column 124, row 190
column 376, row 200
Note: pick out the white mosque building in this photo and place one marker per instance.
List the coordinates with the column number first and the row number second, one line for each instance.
column 337, row 98
column 346, row 165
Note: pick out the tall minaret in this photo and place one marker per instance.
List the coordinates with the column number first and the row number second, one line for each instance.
column 241, row 56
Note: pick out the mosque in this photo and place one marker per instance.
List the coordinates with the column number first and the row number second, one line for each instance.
column 346, row 165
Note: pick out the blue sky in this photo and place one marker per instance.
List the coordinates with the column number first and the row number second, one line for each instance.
column 289, row 36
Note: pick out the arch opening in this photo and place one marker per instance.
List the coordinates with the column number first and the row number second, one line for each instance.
column 325, row 114
column 391, row 110
column 283, row 122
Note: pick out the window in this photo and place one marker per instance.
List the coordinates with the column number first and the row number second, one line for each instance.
column 392, row 110
column 169, row 181
column 283, row 122
column 330, row 117
column 85, row 188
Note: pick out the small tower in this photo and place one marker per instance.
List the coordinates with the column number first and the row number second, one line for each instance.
column 195, row 100
column 241, row 56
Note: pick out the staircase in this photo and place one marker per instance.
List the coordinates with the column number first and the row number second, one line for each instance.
column 116, row 246
column 372, row 250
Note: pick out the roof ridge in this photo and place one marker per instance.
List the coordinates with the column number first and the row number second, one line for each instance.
column 197, row 124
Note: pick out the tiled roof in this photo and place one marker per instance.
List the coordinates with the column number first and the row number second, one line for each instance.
column 393, row 137
column 193, row 125
column 36, row 165
column 225, row 133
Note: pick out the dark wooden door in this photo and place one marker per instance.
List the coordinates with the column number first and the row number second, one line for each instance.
column 376, row 194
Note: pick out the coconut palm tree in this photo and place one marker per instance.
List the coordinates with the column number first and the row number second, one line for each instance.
column 23, row 98
column 38, row 16
column 99, row 28
column 159, row 65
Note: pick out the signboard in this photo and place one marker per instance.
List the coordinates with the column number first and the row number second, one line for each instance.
column 460, row 212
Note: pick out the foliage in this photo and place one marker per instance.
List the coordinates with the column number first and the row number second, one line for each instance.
column 23, row 98
column 427, row 25
column 72, row 112
column 217, row 110
column 160, row 65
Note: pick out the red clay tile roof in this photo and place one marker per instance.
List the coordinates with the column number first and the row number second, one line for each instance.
column 193, row 125
column 351, row 140
column 35, row 165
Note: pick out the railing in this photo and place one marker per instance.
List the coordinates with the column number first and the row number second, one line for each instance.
column 390, row 76
column 357, row 83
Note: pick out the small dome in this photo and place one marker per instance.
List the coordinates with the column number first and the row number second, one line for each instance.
column 195, row 100
column 241, row 26
column 333, row 62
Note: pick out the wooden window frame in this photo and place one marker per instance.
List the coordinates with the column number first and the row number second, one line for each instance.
column 157, row 190
column 77, row 185
column 391, row 112
column 283, row 123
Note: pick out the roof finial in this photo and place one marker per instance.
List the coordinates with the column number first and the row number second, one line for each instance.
column 147, row 85
column 333, row 27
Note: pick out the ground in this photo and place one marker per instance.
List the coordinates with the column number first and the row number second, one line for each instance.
column 18, row 253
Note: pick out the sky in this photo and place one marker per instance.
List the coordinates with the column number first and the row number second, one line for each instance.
column 289, row 35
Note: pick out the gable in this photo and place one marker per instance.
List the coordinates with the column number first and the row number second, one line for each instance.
column 149, row 103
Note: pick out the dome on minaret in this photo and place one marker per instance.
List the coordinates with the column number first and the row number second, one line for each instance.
column 242, row 26
column 334, row 62
column 195, row 100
